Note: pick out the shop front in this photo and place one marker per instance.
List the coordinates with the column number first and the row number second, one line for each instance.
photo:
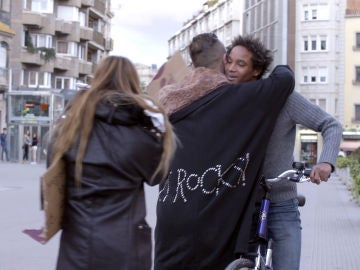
column 308, row 146
column 33, row 111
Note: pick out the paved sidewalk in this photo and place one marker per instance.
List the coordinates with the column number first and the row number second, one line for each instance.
column 330, row 220
column 331, row 227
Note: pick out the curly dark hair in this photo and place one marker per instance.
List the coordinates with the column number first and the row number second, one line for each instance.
column 262, row 57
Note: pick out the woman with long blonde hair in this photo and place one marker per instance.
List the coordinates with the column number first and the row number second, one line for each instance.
column 113, row 139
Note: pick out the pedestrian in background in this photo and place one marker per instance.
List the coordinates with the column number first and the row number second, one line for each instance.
column 3, row 142
column 34, row 147
column 113, row 140
column 26, row 145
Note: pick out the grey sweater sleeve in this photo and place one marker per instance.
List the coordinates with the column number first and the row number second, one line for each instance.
column 306, row 113
column 279, row 154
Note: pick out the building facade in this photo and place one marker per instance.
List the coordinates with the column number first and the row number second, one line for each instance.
column 307, row 35
column 6, row 36
column 57, row 44
column 223, row 18
column 351, row 133
column 146, row 74
column 273, row 22
column 320, row 65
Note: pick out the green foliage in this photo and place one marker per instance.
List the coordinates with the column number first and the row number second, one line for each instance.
column 353, row 162
column 342, row 162
column 212, row 2
column 46, row 53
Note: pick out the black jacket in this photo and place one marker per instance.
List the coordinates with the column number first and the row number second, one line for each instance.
column 205, row 206
column 104, row 223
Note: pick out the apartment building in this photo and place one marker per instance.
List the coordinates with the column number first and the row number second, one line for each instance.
column 223, row 17
column 351, row 122
column 146, row 74
column 6, row 35
column 273, row 22
column 56, row 46
column 320, row 66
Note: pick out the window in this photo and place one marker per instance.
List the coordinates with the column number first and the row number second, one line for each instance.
column 357, row 74
column 82, row 18
column 323, row 44
column 5, row 5
column 305, row 75
column 68, row 13
column 313, row 43
column 314, row 14
column 306, row 15
column 64, row 83
column 66, row 47
column 82, row 52
column 357, row 41
column 38, row 40
column 312, row 72
column 357, row 112
column 316, row 43
column 36, row 79
column 45, row 6
column 3, row 58
column 34, row 104
column 322, row 103
column 315, row 74
column 306, row 45
column 323, row 71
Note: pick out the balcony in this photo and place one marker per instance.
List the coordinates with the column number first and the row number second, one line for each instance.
column 86, row 33
column 98, row 38
column 109, row 44
column 100, row 7
column 65, row 63
column 34, row 20
column 87, row 3
column 85, row 68
column 63, row 27
column 31, row 58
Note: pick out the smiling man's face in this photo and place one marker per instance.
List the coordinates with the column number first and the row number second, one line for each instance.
column 239, row 66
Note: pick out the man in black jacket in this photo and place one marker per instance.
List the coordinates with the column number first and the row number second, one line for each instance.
column 205, row 206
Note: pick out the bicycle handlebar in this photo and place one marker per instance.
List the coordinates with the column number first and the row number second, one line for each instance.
column 295, row 175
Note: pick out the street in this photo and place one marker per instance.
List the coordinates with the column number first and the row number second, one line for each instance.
column 330, row 221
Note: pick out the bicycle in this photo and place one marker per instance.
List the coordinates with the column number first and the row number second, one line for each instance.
column 263, row 257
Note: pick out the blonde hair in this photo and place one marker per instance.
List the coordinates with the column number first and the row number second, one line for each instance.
column 117, row 81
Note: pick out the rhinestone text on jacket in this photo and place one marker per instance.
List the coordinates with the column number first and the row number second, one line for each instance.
column 181, row 182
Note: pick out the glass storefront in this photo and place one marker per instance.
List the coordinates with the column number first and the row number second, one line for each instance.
column 309, row 149
column 35, row 111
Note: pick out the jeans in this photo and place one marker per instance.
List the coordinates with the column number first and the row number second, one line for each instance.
column 4, row 151
column 284, row 227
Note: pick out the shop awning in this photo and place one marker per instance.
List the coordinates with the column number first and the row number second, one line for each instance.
column 4, row 28
column 349, row 145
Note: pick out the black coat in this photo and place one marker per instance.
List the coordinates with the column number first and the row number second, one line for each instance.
column 104, row 224
column 205, row 206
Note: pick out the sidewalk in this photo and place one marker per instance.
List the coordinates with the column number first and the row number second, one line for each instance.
column 331, row 227
column 330, row 221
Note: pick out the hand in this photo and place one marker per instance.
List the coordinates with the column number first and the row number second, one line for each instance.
column 320, row 172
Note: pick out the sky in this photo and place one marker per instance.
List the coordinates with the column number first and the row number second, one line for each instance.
column 141, row 28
